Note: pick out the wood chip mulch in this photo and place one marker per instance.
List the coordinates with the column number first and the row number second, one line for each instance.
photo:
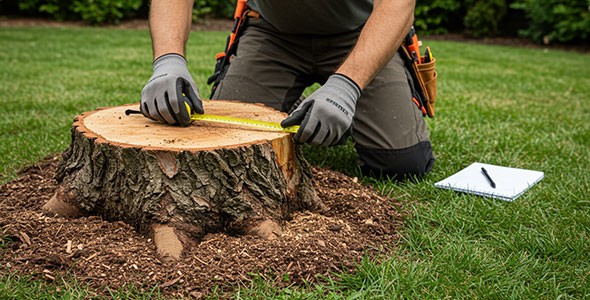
column 107, row 255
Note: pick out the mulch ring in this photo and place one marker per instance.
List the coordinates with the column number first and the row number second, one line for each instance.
column 107, row 255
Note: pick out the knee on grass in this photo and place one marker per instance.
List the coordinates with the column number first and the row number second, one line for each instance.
column 399, row 164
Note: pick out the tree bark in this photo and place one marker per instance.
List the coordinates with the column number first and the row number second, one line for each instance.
column 179, row 184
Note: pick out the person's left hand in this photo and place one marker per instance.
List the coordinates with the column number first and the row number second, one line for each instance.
column 326, row 115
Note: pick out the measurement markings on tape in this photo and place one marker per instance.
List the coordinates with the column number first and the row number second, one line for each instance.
column 275, row 126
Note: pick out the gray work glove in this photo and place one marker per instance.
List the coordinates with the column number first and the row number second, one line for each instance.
column 164, row 96
column 326, row 115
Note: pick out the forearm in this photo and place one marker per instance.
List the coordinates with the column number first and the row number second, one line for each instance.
column 379, row 40
column 170, row 24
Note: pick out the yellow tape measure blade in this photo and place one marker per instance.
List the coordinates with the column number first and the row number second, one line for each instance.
column 275, row 126
column 292, row 129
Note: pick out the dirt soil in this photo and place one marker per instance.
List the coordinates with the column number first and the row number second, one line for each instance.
column 101, row 254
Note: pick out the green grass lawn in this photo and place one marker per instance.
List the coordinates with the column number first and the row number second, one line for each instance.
column 524, row 108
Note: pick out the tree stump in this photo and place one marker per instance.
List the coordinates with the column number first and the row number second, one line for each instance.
column 180, row 183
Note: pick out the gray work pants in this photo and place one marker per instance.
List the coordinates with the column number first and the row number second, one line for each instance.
column 273, row 68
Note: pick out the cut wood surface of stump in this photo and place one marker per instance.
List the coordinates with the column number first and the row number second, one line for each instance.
column 180, row 183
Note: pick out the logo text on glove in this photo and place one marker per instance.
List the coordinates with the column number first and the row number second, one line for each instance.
column 337, row 105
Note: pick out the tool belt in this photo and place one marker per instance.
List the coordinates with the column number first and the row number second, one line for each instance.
column 421, row 68
column 241, row 15
column 422, row 71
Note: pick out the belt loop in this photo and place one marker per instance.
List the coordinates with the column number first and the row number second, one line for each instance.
column 253, row 14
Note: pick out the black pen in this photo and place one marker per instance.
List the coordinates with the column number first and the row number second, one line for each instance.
column 485, row 173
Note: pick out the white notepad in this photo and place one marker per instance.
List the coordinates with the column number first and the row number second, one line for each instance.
column 510, row 182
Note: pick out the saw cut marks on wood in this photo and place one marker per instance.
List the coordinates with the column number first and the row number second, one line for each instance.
column 271, row 126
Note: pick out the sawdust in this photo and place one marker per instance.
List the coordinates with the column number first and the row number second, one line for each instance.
column 111, row 255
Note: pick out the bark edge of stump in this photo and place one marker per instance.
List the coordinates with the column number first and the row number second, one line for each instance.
column 177, row 184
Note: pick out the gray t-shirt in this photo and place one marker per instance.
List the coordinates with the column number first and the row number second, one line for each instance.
column 314, row 16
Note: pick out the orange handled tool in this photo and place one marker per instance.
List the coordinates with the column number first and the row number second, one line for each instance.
column 238, row 18
column 413, row 45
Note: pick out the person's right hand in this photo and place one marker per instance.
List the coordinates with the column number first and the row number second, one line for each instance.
column 171, row 95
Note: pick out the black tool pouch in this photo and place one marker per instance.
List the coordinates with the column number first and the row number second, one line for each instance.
column 221, row 65
column 423, row 83
column 223, row 58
